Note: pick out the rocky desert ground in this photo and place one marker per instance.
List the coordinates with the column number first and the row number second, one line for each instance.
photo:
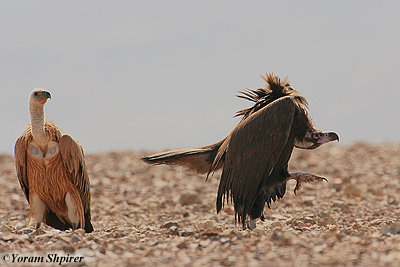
column 163, row 216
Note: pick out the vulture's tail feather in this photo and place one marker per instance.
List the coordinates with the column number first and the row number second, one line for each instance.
column 275, row 193
column 199, row 159
column 88, row 225
column 53, row 221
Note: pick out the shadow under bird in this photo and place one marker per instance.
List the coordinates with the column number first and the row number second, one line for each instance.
column 254, row 156
column 52, row 173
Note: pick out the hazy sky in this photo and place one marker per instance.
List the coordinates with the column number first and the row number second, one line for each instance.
column 155, row 75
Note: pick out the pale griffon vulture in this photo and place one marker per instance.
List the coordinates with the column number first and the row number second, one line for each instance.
column 52, row 173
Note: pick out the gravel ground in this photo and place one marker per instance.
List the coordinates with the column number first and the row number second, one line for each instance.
column 157, row 215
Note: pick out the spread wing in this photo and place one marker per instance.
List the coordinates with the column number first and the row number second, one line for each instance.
column 255, row 146
column 20, row 150
column 73, row 158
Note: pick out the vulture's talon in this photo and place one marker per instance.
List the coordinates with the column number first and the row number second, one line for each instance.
column 304, row 177
column 251, row 224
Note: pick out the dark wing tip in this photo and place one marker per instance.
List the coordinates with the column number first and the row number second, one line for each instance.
column 147, row 159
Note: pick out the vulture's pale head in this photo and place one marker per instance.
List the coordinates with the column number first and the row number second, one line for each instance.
column 38, row 97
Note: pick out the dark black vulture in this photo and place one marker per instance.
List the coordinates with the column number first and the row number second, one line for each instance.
column 255, row 155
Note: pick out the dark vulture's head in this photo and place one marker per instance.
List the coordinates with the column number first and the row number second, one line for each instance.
column 316, row 138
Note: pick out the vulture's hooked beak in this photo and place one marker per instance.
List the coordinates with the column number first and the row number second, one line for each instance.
column 328, row 137
column 46, row 94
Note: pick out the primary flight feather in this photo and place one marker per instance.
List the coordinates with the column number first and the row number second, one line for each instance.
column 254, row 156
column 52, row 173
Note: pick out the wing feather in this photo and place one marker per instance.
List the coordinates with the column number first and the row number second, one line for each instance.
column 20, row 153
column 254, row 148
column 73, row 158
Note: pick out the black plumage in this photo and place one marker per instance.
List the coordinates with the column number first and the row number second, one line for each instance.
column 255, row 155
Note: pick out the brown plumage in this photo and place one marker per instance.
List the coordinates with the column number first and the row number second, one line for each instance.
column 255, row 155
column 52, row 173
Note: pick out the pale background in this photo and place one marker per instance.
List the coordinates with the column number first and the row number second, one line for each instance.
column 155, row 75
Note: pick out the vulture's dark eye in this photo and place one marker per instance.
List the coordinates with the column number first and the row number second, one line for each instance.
column 35, row 94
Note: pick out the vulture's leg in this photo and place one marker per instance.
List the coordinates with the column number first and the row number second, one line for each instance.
column 251, row 224
column 37, row 210
column 302, row 177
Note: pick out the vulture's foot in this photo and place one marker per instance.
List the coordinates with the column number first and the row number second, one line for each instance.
column 38, row 230
column 301, row 177
column 251, row 224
